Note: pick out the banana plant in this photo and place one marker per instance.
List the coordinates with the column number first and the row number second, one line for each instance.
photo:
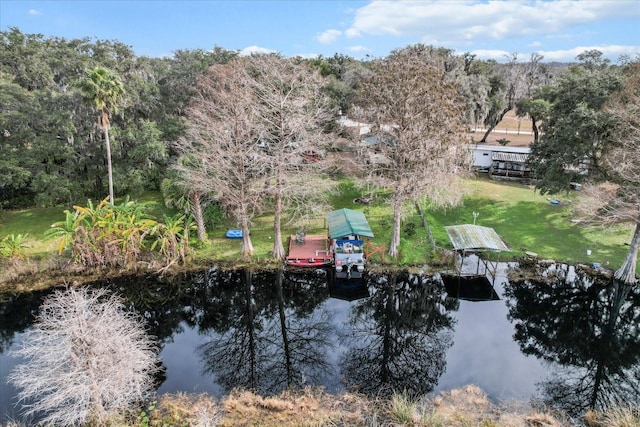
column 14, row 246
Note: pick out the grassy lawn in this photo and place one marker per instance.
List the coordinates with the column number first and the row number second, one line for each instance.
column 528, row 221
column 523, row 218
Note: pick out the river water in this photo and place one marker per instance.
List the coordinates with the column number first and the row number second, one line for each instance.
column 269, row 330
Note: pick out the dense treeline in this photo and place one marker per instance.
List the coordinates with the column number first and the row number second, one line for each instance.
column 79, row 115
column 52, row 152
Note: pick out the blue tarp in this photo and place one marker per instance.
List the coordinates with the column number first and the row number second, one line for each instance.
column 234, row 234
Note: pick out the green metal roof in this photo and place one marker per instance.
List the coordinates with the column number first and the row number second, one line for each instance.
column 346, row 221
column 470, row 237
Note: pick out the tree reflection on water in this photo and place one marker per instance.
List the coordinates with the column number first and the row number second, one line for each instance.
column 399, row 336
column 585, row 326
column 272, row 330
column 270, row 343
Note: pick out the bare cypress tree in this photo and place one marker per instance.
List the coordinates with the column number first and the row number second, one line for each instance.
column 292, row 108
column 417, row 118
column 85, row 359
column 222, row 141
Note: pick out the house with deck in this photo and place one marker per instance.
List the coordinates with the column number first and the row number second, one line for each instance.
column 502, row 162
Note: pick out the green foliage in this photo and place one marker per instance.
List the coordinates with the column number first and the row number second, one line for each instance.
column 409, row 229
column 503, row 141
column 576, row 127
column 63, row 231
column 120, row 235
column 214, row 215
column 104, row 90
column 403, row 408
column 14, row 246
column 144, row 417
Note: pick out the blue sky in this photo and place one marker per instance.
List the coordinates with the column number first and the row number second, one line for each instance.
column 559, row 30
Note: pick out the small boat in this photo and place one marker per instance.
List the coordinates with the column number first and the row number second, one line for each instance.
column 347, row 228
column 343, row 248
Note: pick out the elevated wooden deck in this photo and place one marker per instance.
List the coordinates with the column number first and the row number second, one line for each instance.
column 314, row 251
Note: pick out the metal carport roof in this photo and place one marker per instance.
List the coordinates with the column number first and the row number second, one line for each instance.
column 474, row 237
column 509, row 157
column 346, row 221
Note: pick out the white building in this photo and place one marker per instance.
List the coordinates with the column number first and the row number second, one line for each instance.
column 501, row 162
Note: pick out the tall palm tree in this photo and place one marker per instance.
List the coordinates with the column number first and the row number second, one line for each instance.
column 104, row 90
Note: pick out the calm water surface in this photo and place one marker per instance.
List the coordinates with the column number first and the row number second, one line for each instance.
column 267, row 331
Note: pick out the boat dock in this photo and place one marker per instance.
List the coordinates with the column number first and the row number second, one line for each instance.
column 309, row 251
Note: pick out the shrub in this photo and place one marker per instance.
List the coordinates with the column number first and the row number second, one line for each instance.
column 13, row 246
column 86, row 359
column 410, row 229
column 120, row 235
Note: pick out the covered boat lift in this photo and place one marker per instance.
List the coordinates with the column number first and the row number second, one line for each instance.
column 348, row 222
column 347, row 228
column 475, row 240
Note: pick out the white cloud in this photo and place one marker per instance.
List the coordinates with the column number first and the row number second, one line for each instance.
column 358, row 49
column 328, row 36
column 496, row 54
column 251, row 50
column 456, row 21
column 612, row 52
column 307, row 55
column 352, row 33
column 34, row 12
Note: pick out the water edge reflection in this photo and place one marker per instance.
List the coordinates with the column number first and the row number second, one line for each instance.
column 269, row 330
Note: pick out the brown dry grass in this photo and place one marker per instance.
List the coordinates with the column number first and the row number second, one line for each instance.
column 467, row 406
column 464, row 407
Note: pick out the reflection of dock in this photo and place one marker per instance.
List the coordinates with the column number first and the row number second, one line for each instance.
column 470, row 288
column 474, row 243
column 348, row 290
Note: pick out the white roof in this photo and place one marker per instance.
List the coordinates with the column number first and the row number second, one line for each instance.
column 500, row 148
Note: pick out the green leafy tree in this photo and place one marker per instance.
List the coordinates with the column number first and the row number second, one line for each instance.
column 104, row 90
column 536, row 108
column 615, row 197
column 576, row 132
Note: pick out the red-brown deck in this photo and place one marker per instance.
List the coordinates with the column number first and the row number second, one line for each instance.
column 314, row 251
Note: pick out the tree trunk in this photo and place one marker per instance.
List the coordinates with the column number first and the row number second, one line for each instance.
column 198, row 214
column 109, row 169
column 387, row 339
column 247, row 246
column 395, row 235
column 283, row 328
column 627, row 273
column 425, row 224
column 536, row 132
column 493, row 125
column 278, row 249
column 249, row 323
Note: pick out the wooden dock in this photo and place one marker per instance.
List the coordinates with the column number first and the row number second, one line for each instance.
column 312, row 251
